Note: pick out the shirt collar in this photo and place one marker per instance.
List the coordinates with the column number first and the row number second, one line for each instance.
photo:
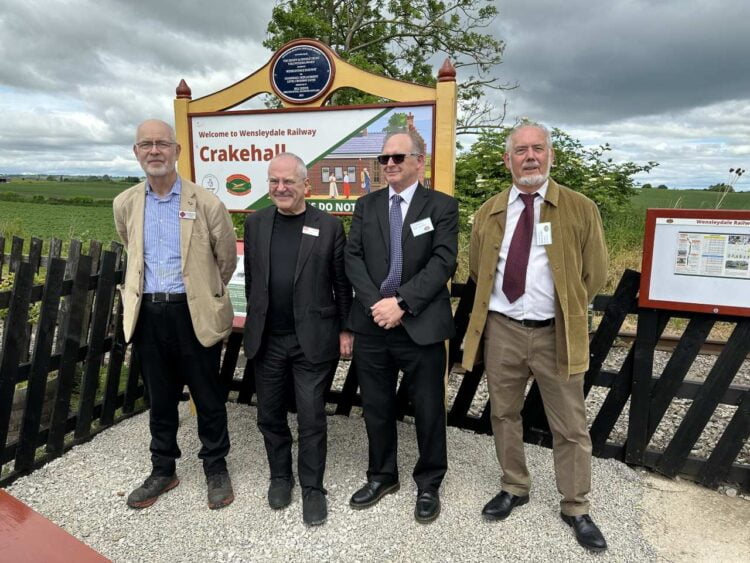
column 515, row 192
column 406, row 194
column 176, row 189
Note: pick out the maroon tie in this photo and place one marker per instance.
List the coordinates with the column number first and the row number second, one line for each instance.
column 514, row 277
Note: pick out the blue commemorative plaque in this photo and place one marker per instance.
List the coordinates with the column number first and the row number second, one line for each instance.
column 301, row 74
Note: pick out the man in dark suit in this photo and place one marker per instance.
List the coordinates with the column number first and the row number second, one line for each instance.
column 400, row 256
column 298, row 302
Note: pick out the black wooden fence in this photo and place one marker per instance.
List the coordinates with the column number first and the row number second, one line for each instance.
column 69, row 357
column 79, row 336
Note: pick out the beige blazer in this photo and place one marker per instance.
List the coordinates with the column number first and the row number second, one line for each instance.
column 209, row 257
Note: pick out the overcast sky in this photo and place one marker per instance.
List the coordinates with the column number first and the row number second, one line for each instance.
column 663, row 80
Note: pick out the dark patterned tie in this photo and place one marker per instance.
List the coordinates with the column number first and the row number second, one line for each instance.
column 393, row 279
column 514, row 277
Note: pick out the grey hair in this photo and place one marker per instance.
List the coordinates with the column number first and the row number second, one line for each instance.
column 301, row 166
column 417, row 144
column 172, row 134
column 521, row 125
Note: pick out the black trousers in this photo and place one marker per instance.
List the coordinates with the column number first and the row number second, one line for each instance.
column 378, row 360
column 170, row 357
column 279, row 354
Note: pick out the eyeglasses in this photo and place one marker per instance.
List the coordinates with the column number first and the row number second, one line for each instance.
column 397, row 158
column 288, row 183
column 148, row 145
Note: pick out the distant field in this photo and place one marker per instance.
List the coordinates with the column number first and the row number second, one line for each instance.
column 99, row 190
column 689, row 199
column 62, row 221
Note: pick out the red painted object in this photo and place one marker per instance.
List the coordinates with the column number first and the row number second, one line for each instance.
column 26, row 536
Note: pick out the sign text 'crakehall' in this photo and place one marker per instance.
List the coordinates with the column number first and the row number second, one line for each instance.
column 231, row 153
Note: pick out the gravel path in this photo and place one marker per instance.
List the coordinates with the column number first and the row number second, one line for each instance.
column 84, row 492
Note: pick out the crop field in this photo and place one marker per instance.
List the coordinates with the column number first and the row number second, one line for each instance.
column 689, row 199
column 65, row 222
column 97, row 190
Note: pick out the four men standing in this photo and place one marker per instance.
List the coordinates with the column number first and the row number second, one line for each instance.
column 537, row 256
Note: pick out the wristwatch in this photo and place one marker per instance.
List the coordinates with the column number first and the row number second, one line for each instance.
column 401, row 303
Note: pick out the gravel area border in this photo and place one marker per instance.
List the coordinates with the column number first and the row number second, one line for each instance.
column 84, row 492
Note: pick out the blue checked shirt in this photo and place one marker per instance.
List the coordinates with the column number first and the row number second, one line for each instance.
column 161, row 242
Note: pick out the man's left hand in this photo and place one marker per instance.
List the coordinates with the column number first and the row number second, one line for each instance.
column 386, row 313
column 346, row 342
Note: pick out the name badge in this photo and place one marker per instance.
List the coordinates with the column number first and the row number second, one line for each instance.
column 187, row 215
column 421, row 227
column 312, row 231
column 543, row 234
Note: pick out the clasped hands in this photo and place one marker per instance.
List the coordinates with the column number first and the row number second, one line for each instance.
column 386, row 313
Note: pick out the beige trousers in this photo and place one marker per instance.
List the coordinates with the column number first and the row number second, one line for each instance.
column 513, row 353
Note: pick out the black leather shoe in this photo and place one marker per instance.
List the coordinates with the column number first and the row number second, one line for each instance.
column 587, row 533
column 500, row 507
column 371, row 493
column 427, row 507
column 279, row 492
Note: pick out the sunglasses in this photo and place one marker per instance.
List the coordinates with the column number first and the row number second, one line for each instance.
column 397, row 158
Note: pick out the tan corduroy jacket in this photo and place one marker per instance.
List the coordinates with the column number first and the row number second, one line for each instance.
column 577, row 258
column 209, row 257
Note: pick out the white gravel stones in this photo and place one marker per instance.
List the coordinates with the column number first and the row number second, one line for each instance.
column 83, row 493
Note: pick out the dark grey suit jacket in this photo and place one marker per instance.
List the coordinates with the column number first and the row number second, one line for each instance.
column 429, row 262
column 322, row 294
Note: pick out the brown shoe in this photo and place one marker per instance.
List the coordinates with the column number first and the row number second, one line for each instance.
column 220, row 492
column 153, row 487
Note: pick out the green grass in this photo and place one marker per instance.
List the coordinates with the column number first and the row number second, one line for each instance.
column 689, row 199
column 99, row 190
column 61, row 221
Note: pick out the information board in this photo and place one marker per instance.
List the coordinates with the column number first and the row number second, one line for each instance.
column 697, row 260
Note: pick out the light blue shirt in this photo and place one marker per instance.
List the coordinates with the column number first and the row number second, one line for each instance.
column 161, row 242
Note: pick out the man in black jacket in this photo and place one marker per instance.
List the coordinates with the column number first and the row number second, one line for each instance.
column 400, row 256
column 298, row 301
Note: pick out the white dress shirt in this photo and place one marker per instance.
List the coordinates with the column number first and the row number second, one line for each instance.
column 538, row 301
column 406, row 196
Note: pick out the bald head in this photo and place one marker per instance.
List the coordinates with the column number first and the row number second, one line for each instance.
column 155, row 125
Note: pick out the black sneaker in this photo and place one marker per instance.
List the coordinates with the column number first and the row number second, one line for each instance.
column 314, row 507
column 220, row 491
column 154, row 486
column 279, row 492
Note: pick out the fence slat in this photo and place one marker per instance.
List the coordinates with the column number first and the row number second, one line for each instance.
column 14, row 343
column 16, row 254
column 465, row 395
column 2, row 255
column 729, row 446
column 705, row 403
column 616, row 399
column 618, row 307
column 673, row 375
column 229, row 363
column 102, row 308
column 40, row 366
column 71, row 342
column 131, row 386
column 348, row 391
column 114, row 370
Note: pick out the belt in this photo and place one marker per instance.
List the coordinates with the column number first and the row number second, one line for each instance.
column 165, row 297
column 529, row 323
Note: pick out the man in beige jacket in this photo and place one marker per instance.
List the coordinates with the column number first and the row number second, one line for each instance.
column 181, row 253
column 538, row 258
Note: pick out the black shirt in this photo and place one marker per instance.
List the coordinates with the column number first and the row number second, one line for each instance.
column 285, row 240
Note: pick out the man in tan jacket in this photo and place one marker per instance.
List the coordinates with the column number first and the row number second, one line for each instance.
column 538, row 257
column 181, row 253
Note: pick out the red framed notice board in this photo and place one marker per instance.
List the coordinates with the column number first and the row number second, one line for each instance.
column 696, row 260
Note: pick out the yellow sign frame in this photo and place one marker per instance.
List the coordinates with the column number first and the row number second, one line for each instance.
column 345, row 76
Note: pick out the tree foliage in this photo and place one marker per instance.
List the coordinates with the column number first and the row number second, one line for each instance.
column 400, row 39
column 481, row 173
